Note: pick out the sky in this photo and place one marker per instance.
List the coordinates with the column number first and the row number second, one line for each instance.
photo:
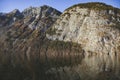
column 61, row 5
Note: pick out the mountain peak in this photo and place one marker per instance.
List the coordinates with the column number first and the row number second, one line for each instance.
column 45, row 6
column 33, row 11
column 15, row 11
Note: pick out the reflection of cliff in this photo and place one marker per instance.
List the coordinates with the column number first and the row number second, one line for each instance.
column 40, row 57
column 80, row 44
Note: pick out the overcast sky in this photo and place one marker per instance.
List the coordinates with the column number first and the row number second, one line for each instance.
column 9, row 5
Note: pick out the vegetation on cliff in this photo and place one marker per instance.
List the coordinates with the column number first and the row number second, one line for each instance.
column 95, row 6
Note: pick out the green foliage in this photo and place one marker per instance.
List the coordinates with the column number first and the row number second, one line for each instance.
column 95, row 6
column 61, row 45
column 51, row 31
column 68, row 14
column 116, row 26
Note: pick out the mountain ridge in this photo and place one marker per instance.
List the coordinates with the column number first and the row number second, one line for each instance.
column 95, row 6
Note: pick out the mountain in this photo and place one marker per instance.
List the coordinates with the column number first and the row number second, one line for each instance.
column 41, row 43
column 96, row 27
column 8, row 18
column 22, row 39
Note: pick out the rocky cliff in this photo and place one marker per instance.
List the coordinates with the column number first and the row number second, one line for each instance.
column 96, row 27
column 40, row 43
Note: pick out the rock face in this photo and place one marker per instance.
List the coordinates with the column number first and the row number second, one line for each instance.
column 95, row 30
column 40, row 43
column 96, row 27
column 7, row 19
column 42, row 16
